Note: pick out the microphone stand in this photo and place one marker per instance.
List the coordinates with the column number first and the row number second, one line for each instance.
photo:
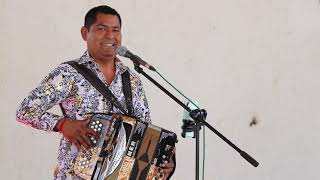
column 199, row 116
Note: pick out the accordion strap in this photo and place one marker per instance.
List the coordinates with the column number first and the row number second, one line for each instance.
column 127, row 91
column 103, row 89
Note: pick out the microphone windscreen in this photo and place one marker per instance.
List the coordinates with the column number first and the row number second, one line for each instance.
column 122, row 51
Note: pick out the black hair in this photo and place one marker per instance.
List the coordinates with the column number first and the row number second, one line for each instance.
column 91, row 15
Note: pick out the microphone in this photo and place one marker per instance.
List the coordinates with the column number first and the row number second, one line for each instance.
column 123, row 51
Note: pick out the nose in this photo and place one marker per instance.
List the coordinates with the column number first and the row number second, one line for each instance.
column 109, row 33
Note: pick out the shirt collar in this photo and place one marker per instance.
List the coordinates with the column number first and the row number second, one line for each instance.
column 86, row 59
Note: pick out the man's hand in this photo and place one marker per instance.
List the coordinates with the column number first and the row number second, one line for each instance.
column 76, row 132
column 168, row 167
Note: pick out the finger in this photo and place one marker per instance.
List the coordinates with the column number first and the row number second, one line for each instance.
column 166, row 173
column 76, row 143
column 81, row 141
column 161, row 173
column 85, row 139
column 86, row 121
column 91, row 132
column 172, row 154
column 174, row 150
column 168, row 165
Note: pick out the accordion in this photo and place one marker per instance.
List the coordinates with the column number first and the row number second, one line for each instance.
column 124, row 149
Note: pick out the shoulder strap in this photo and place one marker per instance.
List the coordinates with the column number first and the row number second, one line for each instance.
column 127, row 91
column 63, row 110
column 97, row 83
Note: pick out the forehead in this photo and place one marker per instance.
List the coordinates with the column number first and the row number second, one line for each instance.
column 107, row 20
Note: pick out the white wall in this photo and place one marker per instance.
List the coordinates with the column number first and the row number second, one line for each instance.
column 238, row 59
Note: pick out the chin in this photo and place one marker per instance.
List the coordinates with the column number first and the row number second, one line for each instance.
column 109, row 55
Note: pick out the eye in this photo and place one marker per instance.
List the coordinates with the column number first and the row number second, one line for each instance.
column 101, row 28
column 116, row 30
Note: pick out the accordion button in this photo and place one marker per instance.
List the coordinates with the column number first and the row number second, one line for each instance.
column 161, row 175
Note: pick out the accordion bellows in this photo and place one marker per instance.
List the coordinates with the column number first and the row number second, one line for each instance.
column 125, row 149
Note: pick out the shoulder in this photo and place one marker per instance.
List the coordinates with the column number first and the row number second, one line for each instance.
column 66, row 67
column 63, row 71
column 136, row 82
column 134, row 77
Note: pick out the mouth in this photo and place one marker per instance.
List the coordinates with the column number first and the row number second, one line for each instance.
column 109, row 45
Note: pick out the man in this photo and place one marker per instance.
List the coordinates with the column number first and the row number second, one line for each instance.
column 65, row 86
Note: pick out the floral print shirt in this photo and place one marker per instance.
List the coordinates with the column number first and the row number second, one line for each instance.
column 78, row 97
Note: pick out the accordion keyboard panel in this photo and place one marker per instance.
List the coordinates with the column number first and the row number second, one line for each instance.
column 147, row 148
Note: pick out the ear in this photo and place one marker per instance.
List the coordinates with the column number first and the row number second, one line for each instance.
column 84, row 33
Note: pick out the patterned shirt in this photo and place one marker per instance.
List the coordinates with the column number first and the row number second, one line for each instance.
column 78, row 97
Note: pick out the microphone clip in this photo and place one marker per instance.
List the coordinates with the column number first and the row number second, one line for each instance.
column 190, row 126
column 198, row 115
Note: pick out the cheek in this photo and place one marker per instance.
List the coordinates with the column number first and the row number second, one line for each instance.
column 119, row 38
column 95, row 36
column 94, row 40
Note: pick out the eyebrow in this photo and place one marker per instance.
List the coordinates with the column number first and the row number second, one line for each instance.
column 99, row 25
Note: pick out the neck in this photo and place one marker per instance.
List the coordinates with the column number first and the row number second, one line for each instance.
column 106, row 64
column 108, row 68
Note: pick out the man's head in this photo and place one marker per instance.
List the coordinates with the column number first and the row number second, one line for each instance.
column 91, row 15
column 102, row 31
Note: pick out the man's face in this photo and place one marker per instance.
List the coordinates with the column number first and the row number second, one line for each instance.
column 104, row 37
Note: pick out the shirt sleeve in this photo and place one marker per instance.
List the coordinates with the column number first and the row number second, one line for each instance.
column 52, row 90
column 140, row 103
